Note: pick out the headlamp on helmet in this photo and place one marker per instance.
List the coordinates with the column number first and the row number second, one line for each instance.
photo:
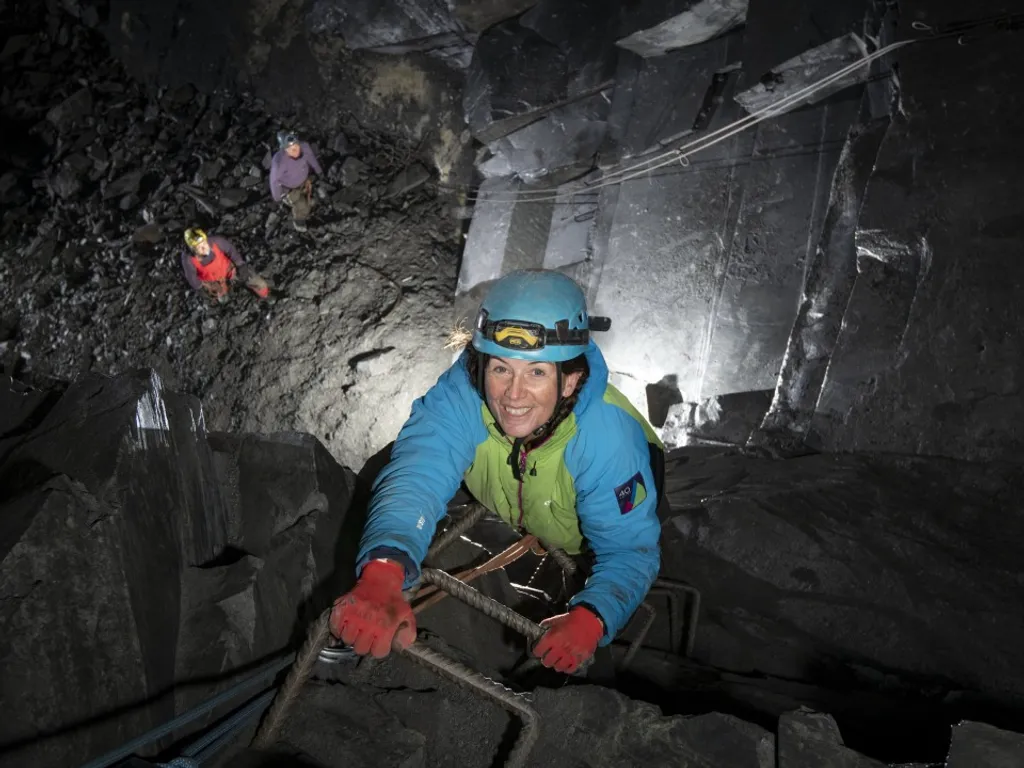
column 535, row 315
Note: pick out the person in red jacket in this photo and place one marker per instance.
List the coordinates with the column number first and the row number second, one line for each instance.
column 211, row 264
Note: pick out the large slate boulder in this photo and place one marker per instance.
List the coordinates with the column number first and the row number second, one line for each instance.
column 936, row 300
column 593, row 726
column 285, row 560
column 21, row 407
column 808, row 739
column 104, row 502
column 144, row 565
column 976, row 744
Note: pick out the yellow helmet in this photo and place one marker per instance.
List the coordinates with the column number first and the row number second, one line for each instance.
column 193, row 238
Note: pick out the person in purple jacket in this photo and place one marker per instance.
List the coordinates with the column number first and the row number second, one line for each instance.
column 289, row 176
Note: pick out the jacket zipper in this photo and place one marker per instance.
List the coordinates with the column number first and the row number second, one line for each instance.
column 522, row 475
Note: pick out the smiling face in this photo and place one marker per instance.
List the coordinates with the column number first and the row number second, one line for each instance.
column 522, row 394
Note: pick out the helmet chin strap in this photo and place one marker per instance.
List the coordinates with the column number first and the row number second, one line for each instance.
column 481, row 368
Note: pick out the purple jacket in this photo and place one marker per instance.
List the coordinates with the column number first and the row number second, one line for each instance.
column 221, row 242
column 287, row 173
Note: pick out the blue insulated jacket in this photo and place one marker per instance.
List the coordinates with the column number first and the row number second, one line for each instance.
column 601, row 465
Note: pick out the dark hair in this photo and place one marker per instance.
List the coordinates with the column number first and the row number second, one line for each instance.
column 565, row 405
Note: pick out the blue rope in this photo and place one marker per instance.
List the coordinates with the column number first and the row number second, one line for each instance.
column 181, row 762
column 133, row 746
column 205, row 747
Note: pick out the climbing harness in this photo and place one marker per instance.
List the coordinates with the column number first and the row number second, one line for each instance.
column 496, row 563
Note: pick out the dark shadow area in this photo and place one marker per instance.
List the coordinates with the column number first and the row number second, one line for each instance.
column 253, row 759
column 229, row 556
column 912, row 726
column 201, row 684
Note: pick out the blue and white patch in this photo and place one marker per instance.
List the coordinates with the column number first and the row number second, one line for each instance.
column 631, row 494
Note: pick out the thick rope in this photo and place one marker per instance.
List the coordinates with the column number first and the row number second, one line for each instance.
column 319, row 633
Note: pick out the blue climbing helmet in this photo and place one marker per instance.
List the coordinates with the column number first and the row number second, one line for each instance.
column 533, row 315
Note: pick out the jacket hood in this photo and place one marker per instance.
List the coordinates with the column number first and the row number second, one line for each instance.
column 597, row 381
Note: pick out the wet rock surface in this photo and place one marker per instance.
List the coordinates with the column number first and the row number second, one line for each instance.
column 800, row 253
column 688, row 23
column 934, row 295
column 104, row 178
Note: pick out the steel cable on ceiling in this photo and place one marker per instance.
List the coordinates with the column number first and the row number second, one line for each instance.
column 680, row 155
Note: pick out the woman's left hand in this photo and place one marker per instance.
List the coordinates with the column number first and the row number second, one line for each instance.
column 570, row 640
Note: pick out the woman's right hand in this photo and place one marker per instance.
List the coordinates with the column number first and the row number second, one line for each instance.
column 374, row 614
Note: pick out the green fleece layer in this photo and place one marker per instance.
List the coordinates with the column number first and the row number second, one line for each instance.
column 544, row 503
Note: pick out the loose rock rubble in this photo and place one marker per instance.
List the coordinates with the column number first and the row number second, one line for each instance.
column 100, row 181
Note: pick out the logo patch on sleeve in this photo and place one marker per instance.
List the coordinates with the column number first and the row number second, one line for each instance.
column 631, row 494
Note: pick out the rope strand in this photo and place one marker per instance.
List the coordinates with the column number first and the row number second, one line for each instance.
column 681, row 154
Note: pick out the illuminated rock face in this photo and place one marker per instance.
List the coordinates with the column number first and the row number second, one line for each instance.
column 812, row 253
column 701, row 262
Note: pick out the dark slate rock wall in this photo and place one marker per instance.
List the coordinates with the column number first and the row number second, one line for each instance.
column 787, row 28
column 856, row 572
column 117, row 474
column 809, row 739
column 829, row 282
column 143, row 564
column 977, row 744
column 514, row 73
column 932, row 363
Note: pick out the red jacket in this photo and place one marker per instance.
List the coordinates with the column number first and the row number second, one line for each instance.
column 219, row 265
column 218, row 268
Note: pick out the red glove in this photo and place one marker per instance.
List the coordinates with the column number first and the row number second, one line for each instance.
column 570, row 640
column 374, row 614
